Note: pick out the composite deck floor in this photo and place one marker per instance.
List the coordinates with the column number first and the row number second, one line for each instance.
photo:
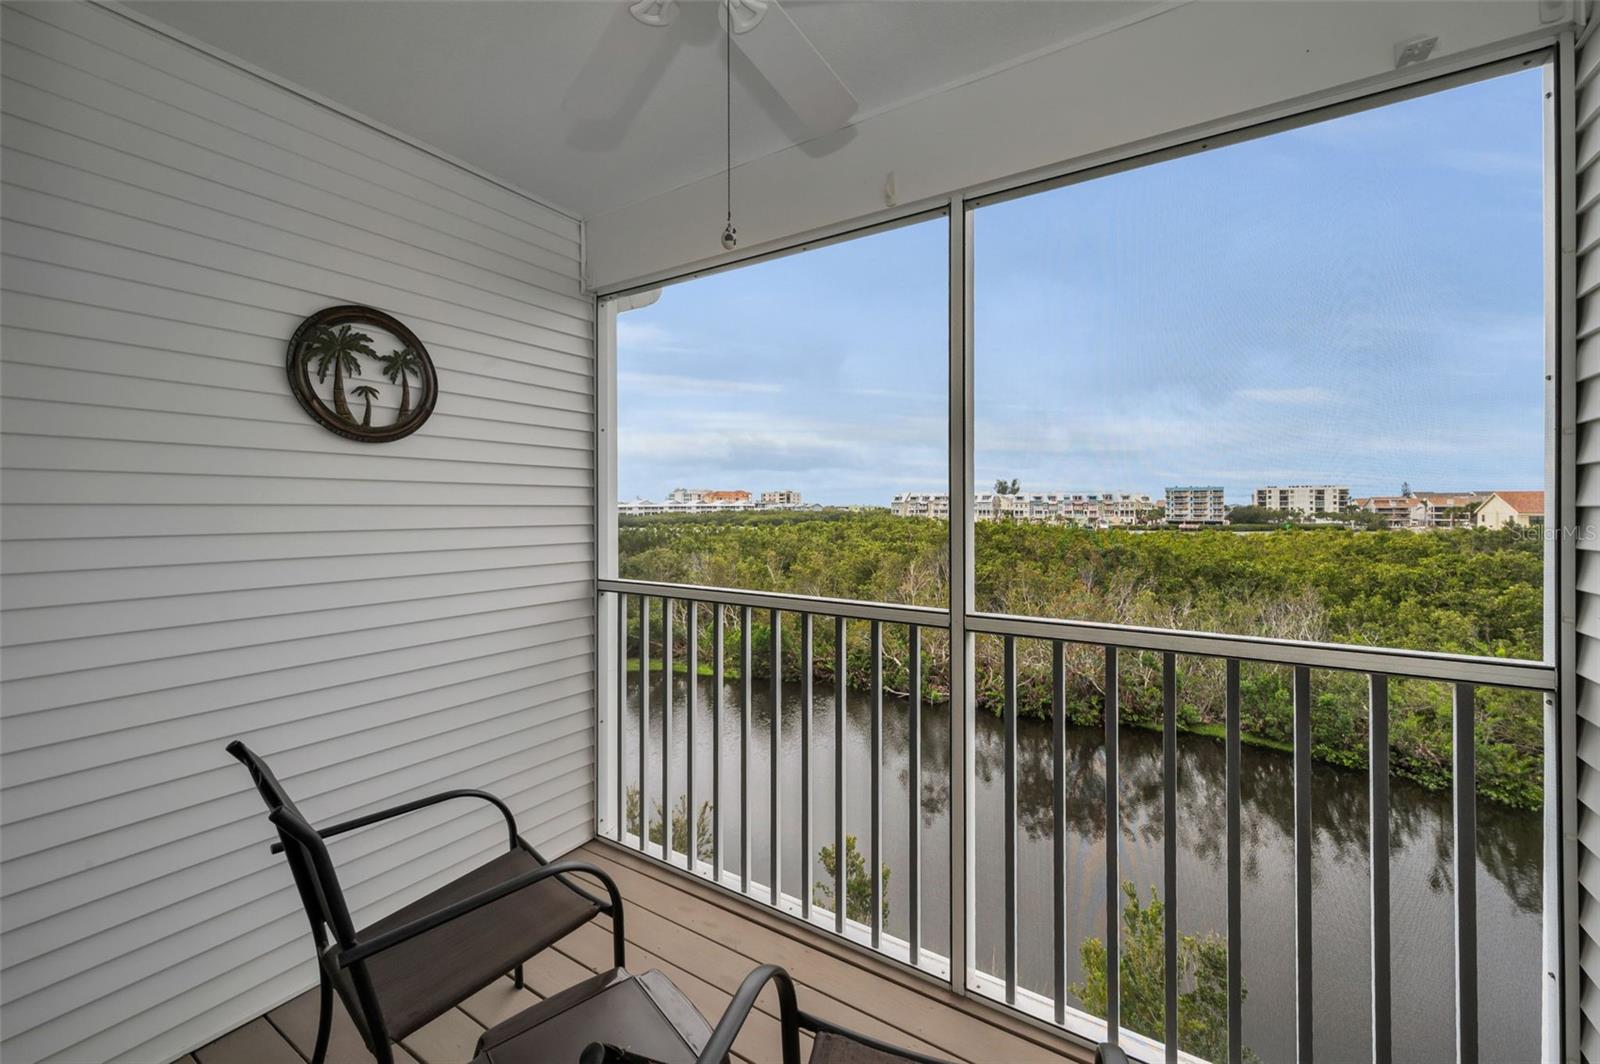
column 706, row 941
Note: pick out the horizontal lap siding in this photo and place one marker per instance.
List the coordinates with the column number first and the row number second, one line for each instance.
column 1588, row 576
column 187, row 558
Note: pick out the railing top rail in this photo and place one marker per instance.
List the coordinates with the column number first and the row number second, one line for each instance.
column 1419, row 664
column 772, row 600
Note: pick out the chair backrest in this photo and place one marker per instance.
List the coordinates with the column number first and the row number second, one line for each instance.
column 306, row 853
column 272, row 791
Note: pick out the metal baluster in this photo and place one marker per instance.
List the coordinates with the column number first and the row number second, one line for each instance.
column 717, row 621
column 1378, row 834
column 914, row 797
column 666, row 730
column 1113, row 852
column 875, row 865
column 1058, row 817
column 1302, row 862
column 1169, row 862
column 1235, row 871
column 840, row 723
column 691, row 826
column 774, row 760
column 622, row 713
column 807, row 699
column 1010, row 817
column 1464, row 772
column 745, row 723
column 644, row 722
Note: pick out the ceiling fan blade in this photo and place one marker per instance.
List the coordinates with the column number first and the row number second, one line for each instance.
column 791, row 64
column 625, row 63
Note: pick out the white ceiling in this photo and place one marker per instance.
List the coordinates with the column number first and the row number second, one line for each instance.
column 484, row 81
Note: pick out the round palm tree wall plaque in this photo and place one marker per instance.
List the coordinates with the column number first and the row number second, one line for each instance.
column 362, row 374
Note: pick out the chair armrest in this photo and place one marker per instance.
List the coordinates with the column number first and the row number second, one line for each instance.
column 721, row 1043
column 393, row 937
column 411, row 807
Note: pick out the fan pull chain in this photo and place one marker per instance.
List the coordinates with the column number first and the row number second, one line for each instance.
column 730, row 235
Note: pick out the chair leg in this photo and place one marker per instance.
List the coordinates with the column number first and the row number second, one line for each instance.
column 324, row 1020
column 516, row 976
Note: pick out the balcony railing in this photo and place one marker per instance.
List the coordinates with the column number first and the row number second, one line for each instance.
column 701, row 609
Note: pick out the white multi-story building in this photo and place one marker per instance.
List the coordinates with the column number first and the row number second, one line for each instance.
column 921, row 504
column 689, row 501
column 1090, row 509
column 1304, row 498
column 1106, row 509
column 712, row 501
column 1196, row 505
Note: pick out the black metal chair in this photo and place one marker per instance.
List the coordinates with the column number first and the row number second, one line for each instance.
column 1107, row 1053
column 420, row 961
column 831, row 1044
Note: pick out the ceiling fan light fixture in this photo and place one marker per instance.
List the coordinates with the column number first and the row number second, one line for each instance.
column 654, row 12
column 744, row 15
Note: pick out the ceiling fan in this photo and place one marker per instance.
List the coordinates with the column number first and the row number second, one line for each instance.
column 634, row 49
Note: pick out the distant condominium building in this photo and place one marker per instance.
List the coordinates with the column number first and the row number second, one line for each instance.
column 1425, row 509
column 711, row 501
column 1304, row 498
column 1089, row 509
column 1397, row 511
column 920, row 504
column 1196, row 505
column 1105, row 509
column 1450, row 509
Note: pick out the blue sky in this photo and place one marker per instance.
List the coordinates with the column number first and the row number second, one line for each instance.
column 1358, row 301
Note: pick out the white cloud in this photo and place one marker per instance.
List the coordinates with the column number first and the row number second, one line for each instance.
column 645, row 336
column 1492, row 163
column 660, row 383
column 1285, row 396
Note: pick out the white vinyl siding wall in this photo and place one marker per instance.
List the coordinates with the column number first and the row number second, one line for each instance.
column 1588, row 576
column 189, row 558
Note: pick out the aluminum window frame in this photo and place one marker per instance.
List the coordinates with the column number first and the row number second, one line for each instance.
column 1555, row 52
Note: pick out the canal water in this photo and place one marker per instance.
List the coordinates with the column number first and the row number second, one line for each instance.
column 1509, row 878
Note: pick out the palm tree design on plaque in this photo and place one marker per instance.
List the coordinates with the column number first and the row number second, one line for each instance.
column 337, row 350
column 399, row 367
column 369, row 393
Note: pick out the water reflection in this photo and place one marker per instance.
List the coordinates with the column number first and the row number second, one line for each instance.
column 1509, row 877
